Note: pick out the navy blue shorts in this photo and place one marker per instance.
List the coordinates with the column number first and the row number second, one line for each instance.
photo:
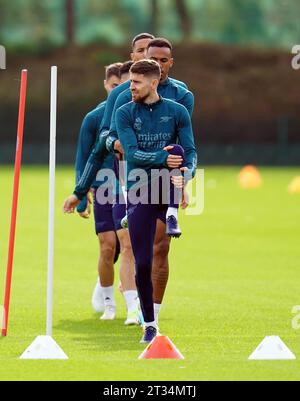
column 103, row 217
column 162, row 215
column 118, row 211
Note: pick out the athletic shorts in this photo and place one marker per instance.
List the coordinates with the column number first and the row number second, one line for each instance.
column 103, row 217
column 118, row 211
column 162, row 212
column 162, row 215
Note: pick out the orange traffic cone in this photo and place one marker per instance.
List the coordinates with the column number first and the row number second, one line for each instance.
column 161, row 347
column 250, row 177
column 294, row 187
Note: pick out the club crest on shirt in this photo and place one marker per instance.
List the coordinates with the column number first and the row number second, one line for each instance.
column 165, row 119
column 138, row 124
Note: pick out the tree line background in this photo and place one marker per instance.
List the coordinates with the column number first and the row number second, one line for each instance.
column 235, row 55
column 32, row 23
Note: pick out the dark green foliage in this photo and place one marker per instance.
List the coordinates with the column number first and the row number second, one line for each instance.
column 256, row 22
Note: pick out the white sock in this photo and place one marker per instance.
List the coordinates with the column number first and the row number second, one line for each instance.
column 100, row 290
column 99, row 286
column 108, row 295
column 156, row 311
column 172, row 211
column 153, row 324
column 131, row 300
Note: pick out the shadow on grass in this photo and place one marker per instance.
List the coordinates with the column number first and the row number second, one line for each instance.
column 106, row 336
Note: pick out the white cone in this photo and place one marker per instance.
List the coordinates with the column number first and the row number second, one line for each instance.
column 44, row 347
column 272, row 348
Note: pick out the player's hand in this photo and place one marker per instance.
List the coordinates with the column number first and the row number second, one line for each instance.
column 179, row 181
column 185, row 200
column 173, row 161
column 86, row 214
column 70, row 204
column 118, row 147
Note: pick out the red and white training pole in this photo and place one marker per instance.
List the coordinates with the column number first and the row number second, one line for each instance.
column 18, row 160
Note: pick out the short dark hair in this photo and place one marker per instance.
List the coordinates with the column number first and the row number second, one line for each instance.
column 147, row 68
column 141, row 36
column 113, row 70
column 125, row 67
column 160, row 42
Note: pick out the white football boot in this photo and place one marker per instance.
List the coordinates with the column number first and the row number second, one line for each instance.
column 109, row 313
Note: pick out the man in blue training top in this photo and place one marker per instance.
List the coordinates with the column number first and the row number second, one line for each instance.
column 144, row 130
column 139, row 46
column 160, row 50
column 105, row 215
column 147, row 128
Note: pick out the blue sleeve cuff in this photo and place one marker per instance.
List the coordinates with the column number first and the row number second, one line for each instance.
column 79, row 195
column 82, row 205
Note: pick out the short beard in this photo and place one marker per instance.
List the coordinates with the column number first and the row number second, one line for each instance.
column 142, row 99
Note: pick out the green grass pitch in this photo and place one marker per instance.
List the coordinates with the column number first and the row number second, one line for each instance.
column 234, row 279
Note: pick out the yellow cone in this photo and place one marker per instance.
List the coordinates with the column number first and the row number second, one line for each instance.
column 250, row 177
column 294, row 187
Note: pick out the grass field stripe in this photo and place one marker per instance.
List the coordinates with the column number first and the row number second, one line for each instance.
column 18, row 160
column 52, row 162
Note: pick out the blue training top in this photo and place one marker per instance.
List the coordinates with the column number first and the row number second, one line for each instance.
column 104, row 140
column 145, row 129
column 112, row 97
column 168, row 90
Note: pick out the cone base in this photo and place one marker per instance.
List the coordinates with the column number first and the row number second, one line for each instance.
column 44, row 347
column 161, row 347
column 272, row 348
